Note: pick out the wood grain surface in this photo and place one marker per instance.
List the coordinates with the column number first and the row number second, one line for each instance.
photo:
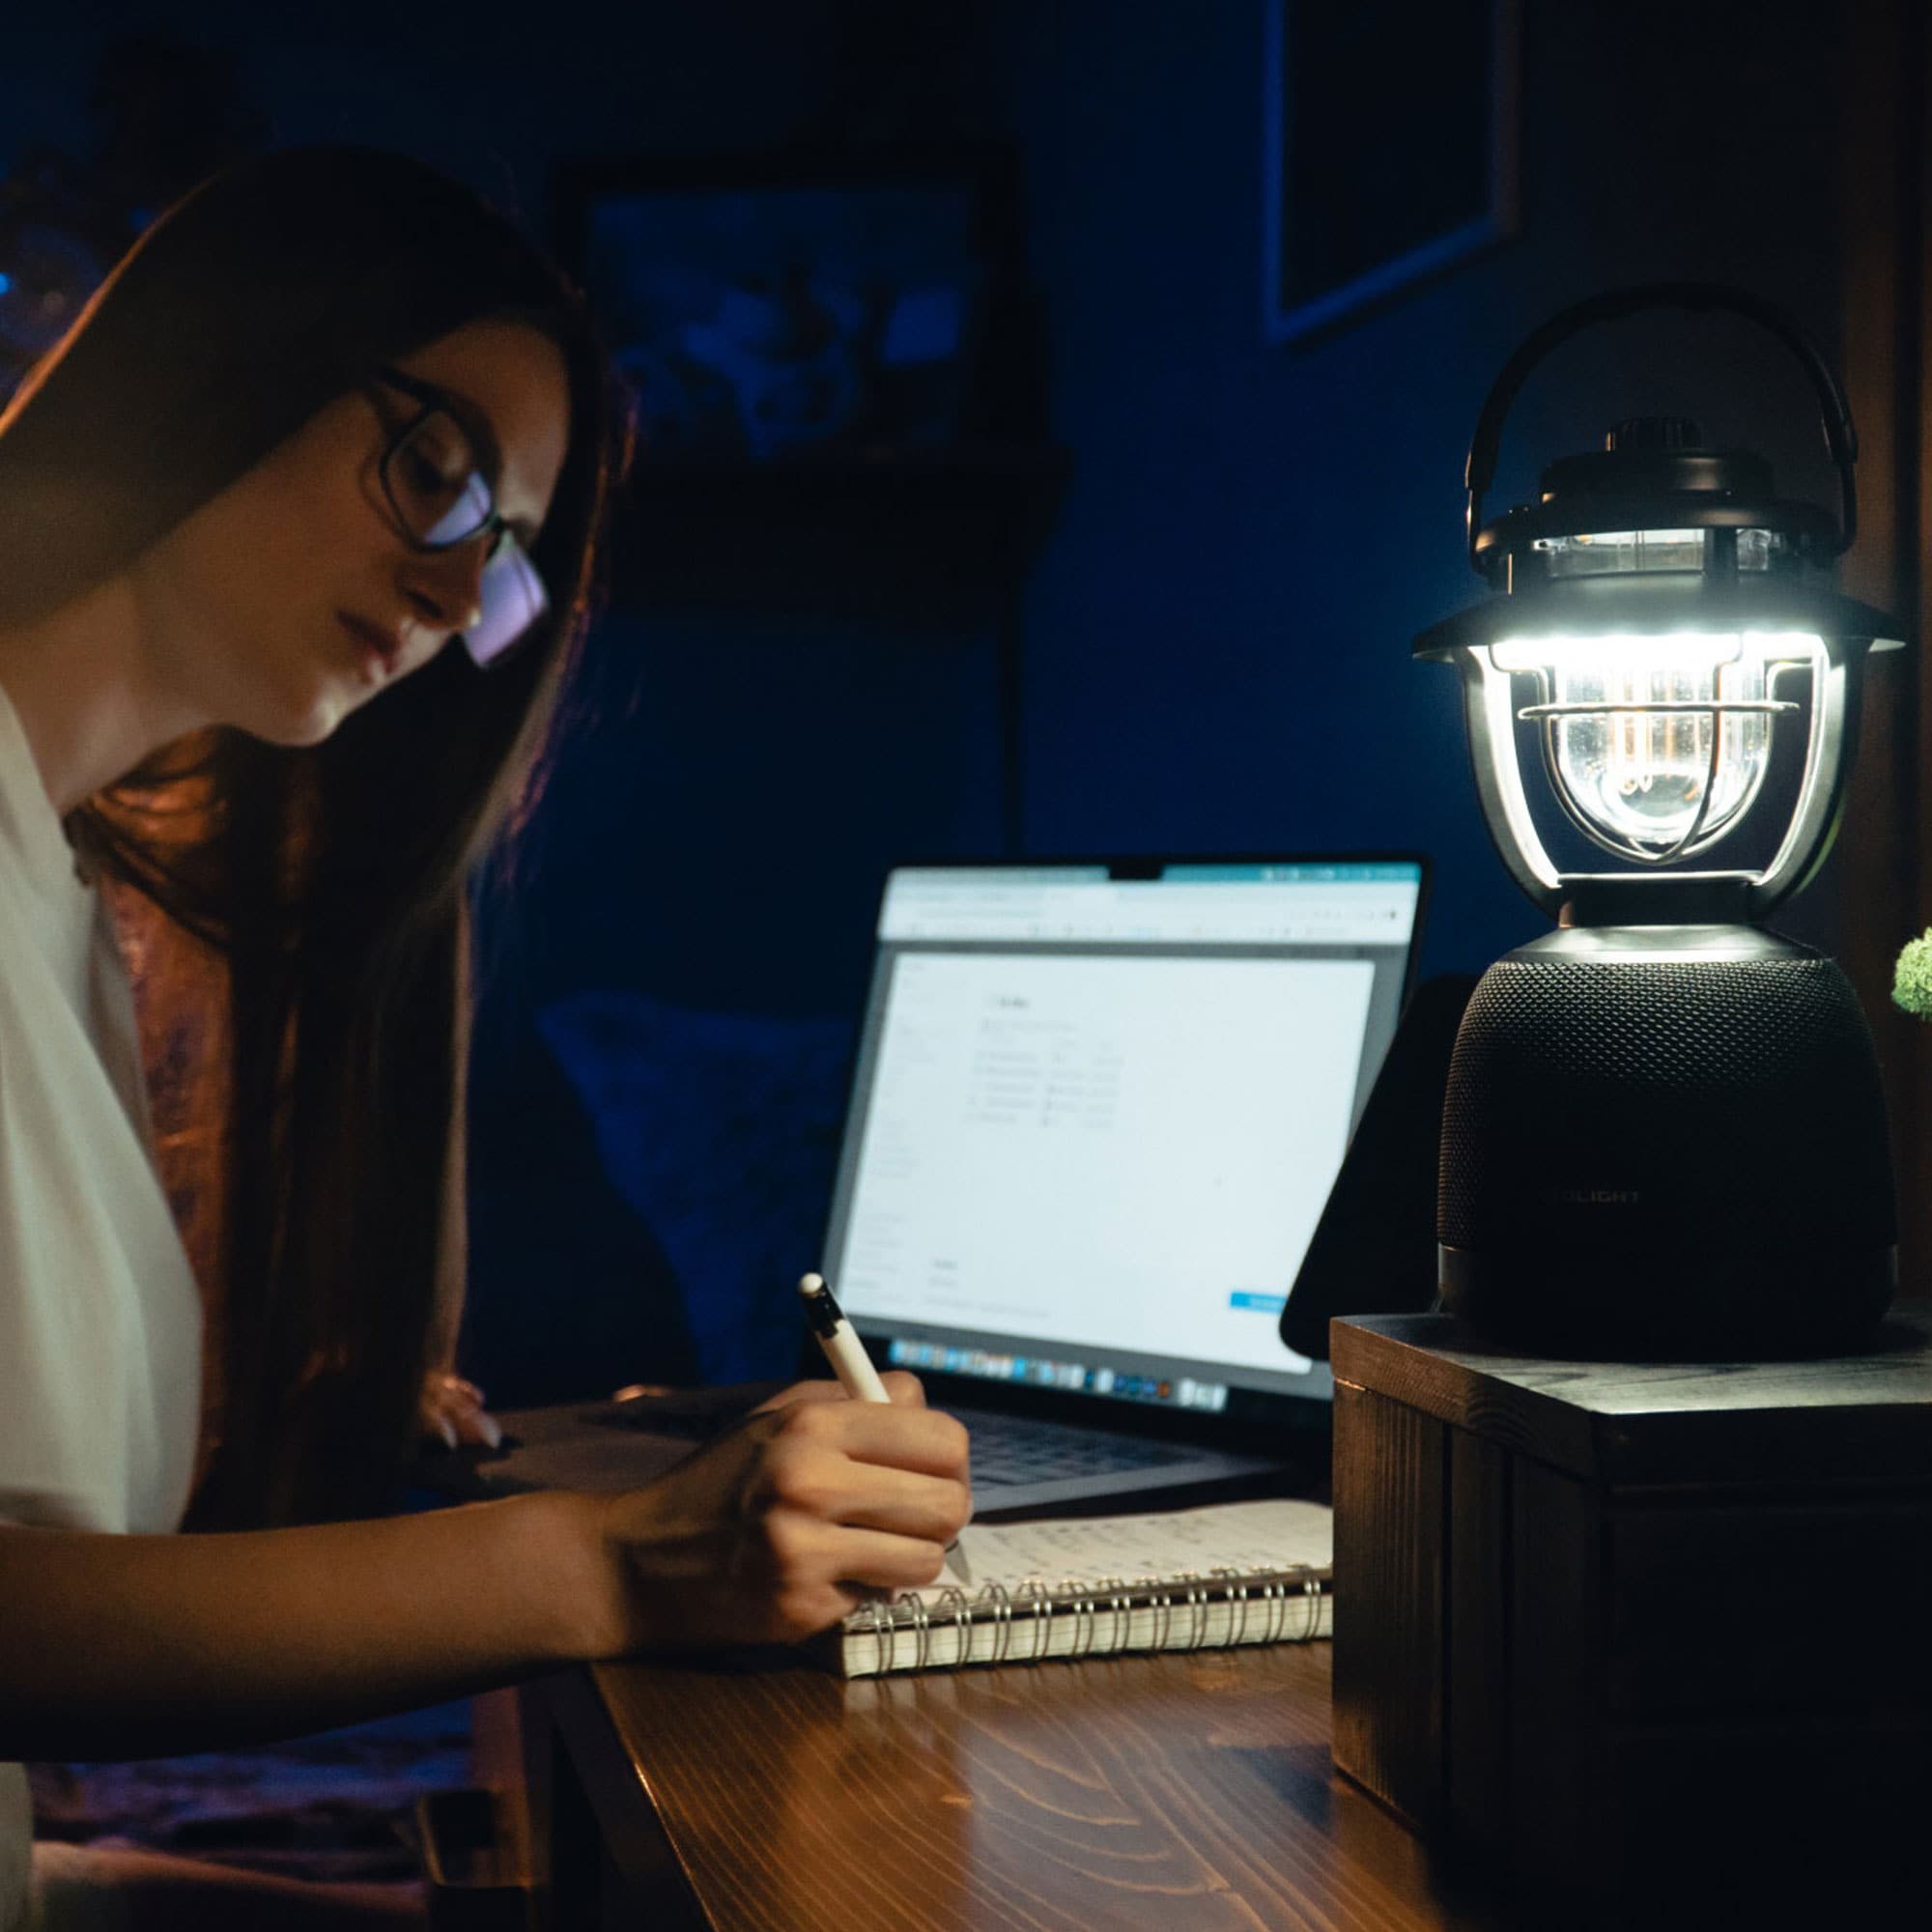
column 1837, row 1418
column 1389, row 1697
column 1162, row 1792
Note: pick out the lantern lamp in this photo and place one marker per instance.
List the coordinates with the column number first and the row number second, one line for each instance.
column 1663, row 1133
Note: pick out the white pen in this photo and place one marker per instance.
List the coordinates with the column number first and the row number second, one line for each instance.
column 853, row 1367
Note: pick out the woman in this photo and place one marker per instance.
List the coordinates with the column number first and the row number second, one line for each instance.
column 297, row 535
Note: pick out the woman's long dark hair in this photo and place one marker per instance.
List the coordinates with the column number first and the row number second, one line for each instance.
column 326, row 886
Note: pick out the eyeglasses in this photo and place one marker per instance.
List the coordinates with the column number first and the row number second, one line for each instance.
column 438, row 482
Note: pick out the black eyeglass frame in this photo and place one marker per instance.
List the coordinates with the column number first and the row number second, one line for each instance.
column 432, row 401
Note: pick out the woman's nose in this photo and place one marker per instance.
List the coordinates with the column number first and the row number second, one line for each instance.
column 445, row 585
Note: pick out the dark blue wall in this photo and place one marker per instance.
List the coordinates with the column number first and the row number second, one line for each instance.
column 1216, row 635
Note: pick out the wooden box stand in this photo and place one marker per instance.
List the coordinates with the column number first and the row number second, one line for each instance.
column 1641, row 1631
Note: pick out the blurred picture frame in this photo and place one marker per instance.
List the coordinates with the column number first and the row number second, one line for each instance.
column 1389, row 151
column 786, row 306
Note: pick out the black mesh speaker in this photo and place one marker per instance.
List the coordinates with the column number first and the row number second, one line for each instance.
column 1666, row 1142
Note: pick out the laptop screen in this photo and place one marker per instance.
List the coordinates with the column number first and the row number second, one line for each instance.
column 1095, row 1118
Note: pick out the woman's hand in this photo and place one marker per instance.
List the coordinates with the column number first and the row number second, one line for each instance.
column 452, row 1409
column 808, row 1507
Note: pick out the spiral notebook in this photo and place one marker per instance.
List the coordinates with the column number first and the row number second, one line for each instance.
column 1191, row 1579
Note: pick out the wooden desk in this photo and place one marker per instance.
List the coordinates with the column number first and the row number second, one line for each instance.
column 761, row 1794
column 1164, row 1792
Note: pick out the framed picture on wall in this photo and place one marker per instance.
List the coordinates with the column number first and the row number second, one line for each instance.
column 1389, row 138
column 776, row 307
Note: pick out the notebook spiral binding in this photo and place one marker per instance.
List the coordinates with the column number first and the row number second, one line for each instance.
column 1182, row 1603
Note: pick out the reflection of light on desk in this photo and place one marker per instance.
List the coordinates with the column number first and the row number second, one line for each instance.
column 867, row 1782
column 1069, row 1794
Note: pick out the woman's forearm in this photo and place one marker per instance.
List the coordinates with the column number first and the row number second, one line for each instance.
column 135, row 1646
column 138, row 1646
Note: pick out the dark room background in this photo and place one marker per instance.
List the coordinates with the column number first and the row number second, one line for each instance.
column 1198, row 640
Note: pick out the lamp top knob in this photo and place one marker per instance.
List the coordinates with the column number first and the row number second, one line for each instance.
column 1656, row 433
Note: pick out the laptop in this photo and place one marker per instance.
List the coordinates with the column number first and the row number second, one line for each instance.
column 1096, row 1115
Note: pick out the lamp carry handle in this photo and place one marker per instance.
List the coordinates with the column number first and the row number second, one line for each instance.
column 1840, row 438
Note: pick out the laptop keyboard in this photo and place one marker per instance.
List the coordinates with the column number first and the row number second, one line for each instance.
column 1007, row 1449
column 1010, row 1449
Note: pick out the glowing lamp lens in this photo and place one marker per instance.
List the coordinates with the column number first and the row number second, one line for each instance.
column 1659, row 744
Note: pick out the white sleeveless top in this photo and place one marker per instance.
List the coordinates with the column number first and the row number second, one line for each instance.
column 101, row 1324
